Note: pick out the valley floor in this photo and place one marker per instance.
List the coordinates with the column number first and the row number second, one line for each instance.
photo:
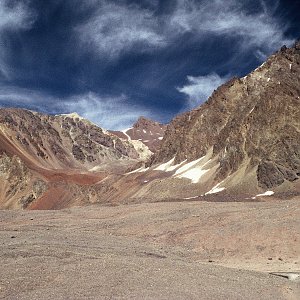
column 173, row 250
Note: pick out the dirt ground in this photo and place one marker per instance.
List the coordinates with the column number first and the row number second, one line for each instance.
column 172, row 250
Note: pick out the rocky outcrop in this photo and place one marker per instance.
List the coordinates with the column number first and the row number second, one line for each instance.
column 63, row 140
column 48, row 159
column 255, row 119
column 149, row 132
column 19, row 187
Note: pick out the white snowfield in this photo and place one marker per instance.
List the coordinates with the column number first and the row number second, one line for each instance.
column 168, row 166
column 216, row 189
column 188, row 198
column 125, row 132
column 141, row 169
column 165, row 166
column 188, row 166
column 267, row 193
column 193, row 170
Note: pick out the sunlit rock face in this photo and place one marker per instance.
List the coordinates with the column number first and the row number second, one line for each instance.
column 254, row 120
column 146, row 131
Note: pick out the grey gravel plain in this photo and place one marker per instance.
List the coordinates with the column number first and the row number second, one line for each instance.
column 144, row 251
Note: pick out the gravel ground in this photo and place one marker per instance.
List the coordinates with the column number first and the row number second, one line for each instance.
column 185, row 250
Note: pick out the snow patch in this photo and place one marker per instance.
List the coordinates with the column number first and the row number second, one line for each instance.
column 267, row 193
column 141, row 169
column 194, row 174
column 172, row 168
column 187, row 198
column 192, row 170
column 188, row 166
column 216, row 189
column 125, row 132
column 268, row 79
column 168, row 166
column 160, row 138
column 165, row 166
column 290, row 66
column 144, row 131
column 258, row 68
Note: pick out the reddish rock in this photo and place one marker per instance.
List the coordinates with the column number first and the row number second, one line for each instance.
column 145, row 130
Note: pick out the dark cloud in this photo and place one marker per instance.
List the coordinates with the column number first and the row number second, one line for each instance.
column 155, row 58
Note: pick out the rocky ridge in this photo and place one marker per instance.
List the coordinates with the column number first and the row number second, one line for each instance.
column 42, row 154
column 149, row 132
column 252, row 121
column 240, row 145
column 62, row 140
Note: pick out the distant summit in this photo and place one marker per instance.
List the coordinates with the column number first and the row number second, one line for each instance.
column 40, row 154
column 145, row 130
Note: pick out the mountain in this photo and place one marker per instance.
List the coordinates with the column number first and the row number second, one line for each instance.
column 55, row 155
column 242, row 144
column 145, row 130
column 247, row 133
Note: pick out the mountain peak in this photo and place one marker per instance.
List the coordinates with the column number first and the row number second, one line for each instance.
column 145, row 122
column 251, row 123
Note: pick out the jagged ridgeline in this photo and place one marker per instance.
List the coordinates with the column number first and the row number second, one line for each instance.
column 251, row 122
column 243, row 141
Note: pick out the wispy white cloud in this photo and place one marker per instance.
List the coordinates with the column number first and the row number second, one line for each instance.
column 260, row 33
column 198, row 89
column 116, row 28
column 13, row 16
column 109, row 112
column 229, row 18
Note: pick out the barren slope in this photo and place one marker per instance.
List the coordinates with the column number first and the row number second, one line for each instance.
column 248, row 132
column 54, row 158
column 193, row 250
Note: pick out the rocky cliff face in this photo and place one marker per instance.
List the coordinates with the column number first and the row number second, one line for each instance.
column 62, row 140
column 146, row 131
column 41, row 155
column 253, row 120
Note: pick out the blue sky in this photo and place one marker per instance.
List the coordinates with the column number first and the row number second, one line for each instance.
column 112, row 61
